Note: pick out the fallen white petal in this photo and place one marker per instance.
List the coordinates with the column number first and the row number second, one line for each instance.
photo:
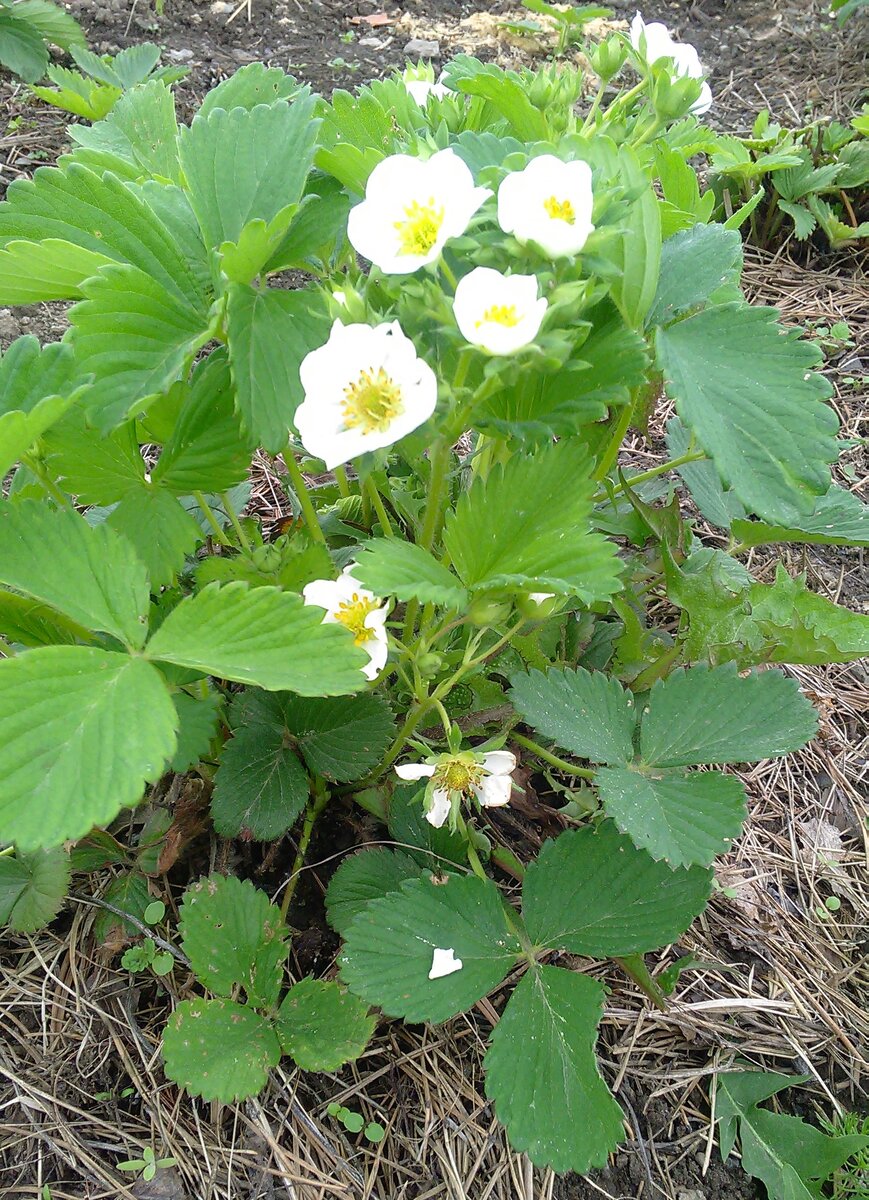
column 444, row 962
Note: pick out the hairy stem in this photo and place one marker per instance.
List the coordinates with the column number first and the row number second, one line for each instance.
column 318, row 802
column 554, row 761
column 212, row 520
column 303, row 496
column 235, row 523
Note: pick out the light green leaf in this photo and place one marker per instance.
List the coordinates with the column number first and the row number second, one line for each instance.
column 96, row 470
column 681, row 818
column 241, row 261
column 30, row 623
column 321, row 1026
column 134, row 64
column 262, row 636
column 749, row 393
column 587, row 713
column 542, row 1076
column 219, row 1050
column 103, row 215
column 319, row 224
column 547, row 545
column 136, row 338
column 83, row 98
column 81, row 732
column 802, row 626
column 342, row 738
column 839, row 518
column 260, row 786
column 247, row 164
column 46, row 270
column 37, row 386
column 161, row 532
column 714, row 715
column 269, row 333
column 362, row 877
column 591, row 891
column 22, row 49
column 249, row 86
column 389, row 948
column 392, row 567
column 197, row 725
column 32, row 888
column 51, row 21
column 233, row 935
column 89, row 574
column 694, row 265
column 639, row 256
column 142, row 128
column 505, row 91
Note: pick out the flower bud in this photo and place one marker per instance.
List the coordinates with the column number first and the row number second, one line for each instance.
column 430, row 665
column 608, row 58
column 486, row 610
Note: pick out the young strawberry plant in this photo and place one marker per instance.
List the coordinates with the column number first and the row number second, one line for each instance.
column 488, row 291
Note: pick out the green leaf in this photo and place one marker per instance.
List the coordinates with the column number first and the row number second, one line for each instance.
column 37, row 386
column 588, row 713
column 392, row 567
column 232, row 935
column 317, row 227
column 362, row 877
column 219, row 1050
column 262, row 636
column 260, row 786
column 547, row 545
column 639, row 254
column 269, row 332
column 506, row 92
column 249, row 86
column 206, row 451
column 161, row 532
column 22, row 49
column 343, row 738
column 435, row 848
column 591, row 891
column 101, row 214
column 681, row 818
column 134, row 64
column 694, row 265
column 321, row 1026
column 197, row 725
column 128, row 893
column 839, row 518
column 81, row 732
column 714, row 715
column 135, row 337
column 32, row 888
column 142, row 128
column 247, row 164
column 48, row 270
column 749, row 393
column 388, row 952
column 83, row 98
column 542, row 1076
column 30, row 623
column 89, row 574
column 717, row 504
column 96, row 470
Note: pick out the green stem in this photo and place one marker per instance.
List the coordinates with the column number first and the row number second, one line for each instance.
column 235, row 523
column 507, row 861
column 342, row 482
column 449, row 274
column 373, row 493
column 652, row 473
column 595, row 108
column 47, row 482
column 554, row 761
column 411, row 722
column 212, row 520
column 318, row 803
column 440, row 462
column 303, row 496
column 614, row 445
column 635, row 967
column 650, row 132
column 624, row 101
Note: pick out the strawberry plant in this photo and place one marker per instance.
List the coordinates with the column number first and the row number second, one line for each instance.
column 493, row 293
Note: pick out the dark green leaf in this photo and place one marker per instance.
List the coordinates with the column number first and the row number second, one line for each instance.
column 362, row 877
column 340, row 739
column 588, row 713
column 161, row 532
column 197, row 725
column 260, row 786
column 321, row 1026
column 32, row 888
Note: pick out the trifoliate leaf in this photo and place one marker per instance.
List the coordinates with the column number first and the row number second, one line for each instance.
column 365, row 876
column 389, row 948
column 391, row 567
column 233, row 934
column 96, row 470
column 748, row 391
column 694, row 265
column 129, row 894
column 588, row 713
column 681, row 818
column 249, row 86
column 714, row 715
column 262, row 636
column 197, row 725
column 321, row 1026
column 89, row 574
column 547, row 545
column 162, row 533
column 260, row 786
column 142, row 128
column 219, row 1050
column 342, row 738
column 591, row 891
column 542, row 1076
column 81, row 732
column 32, row 888
column 839, row 518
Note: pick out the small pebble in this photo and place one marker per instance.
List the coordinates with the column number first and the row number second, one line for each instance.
column 422, row 48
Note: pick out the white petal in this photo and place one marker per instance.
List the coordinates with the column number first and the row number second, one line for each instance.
column 704, row 103
column 499, row 762
column 522, row 204
column 322, row 592
column 540, row 597
column 439, row 808
column 483, row 289
column 413, row 771
column 377, row 649
column 444, row 962
column 494, row 790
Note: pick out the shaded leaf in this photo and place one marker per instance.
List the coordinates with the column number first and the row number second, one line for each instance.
column 340, row 739
column 32, row 888
column 364, row 876
column 161, row 532
column 260, row 786
column 321, row 1026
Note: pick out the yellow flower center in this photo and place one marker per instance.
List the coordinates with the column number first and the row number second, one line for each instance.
column 457, row 775
column 352, row 613
column 560, row 210
column 500, row 314
column 372, row 402
column 418, row 232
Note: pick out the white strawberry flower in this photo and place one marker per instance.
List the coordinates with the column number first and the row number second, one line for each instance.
column 412, row 207
column 454, row 777
column 654, row 41
column 499, row 313
column 366, row 388
column 349, row 604
column 549, row 202
column 421, row 89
